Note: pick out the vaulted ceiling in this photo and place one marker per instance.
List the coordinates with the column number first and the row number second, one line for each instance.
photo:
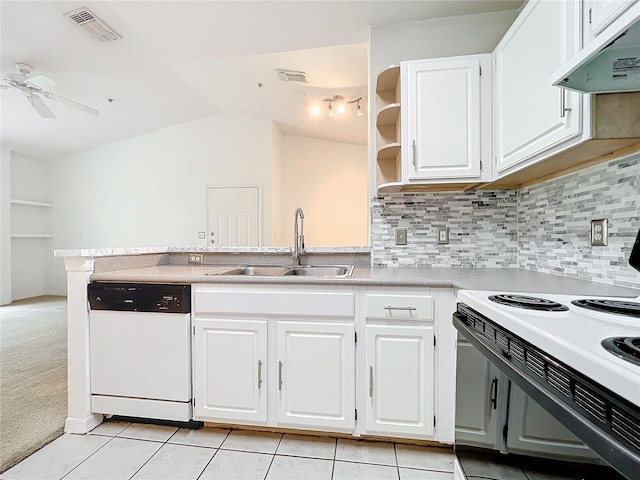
column 181, row 60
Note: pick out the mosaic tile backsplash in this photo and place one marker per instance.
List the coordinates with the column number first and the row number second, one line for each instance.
column 545, row 227
column 482, row 229
column 554, row 223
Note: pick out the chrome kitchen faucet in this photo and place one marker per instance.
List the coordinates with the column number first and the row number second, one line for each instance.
column 298, row 237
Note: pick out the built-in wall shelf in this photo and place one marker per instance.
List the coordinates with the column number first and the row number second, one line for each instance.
column 388, row 172
column 388, row 115
column 32, row 235
column 30, row 218
column 389, row 151
column 32, row 203
column 391, row 187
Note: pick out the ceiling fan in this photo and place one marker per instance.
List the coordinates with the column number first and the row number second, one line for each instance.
column 32, row 87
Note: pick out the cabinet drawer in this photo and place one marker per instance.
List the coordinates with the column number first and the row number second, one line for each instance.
column 276, row 303
column 401, row 307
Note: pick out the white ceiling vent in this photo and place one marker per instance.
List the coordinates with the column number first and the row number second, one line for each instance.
column 291, row 76
column 95, row 27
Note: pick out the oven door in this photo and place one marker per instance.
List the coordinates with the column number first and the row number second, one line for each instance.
column 605, row 422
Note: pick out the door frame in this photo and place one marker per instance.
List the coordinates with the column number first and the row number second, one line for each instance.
column 260, row 212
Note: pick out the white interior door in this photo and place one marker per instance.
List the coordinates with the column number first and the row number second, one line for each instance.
column 233, row 217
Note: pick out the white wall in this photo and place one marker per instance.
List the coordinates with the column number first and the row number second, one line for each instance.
column 328, row 180
column 5, row 226
column 150, row 190
column 276, row 185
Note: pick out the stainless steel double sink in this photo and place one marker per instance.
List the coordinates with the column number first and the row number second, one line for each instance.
column 333, row 271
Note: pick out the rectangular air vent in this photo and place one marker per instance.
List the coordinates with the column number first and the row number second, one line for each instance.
column 95, row 27
column 291, row 76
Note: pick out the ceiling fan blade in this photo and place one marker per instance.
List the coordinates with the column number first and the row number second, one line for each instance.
column 39, row 105
column 71, row 103
column 41, row 81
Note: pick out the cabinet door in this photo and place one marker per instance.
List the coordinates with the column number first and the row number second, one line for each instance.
column 230, row 370
column 400, row 386
column 315, row 371
column 441, row 118
column 478, row 403
column 604, row 12
column 533, row 431
column 531, row 115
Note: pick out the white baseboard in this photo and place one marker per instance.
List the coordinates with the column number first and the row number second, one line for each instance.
column 56, row 293
column 82, row 425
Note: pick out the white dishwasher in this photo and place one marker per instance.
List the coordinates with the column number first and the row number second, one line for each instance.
column 140, row 350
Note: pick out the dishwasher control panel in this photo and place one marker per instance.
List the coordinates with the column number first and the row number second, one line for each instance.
column 139, row 297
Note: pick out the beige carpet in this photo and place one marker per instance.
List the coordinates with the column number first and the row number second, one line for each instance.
column 33, row 376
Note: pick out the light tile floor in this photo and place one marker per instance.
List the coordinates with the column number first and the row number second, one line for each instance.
column 120, row 450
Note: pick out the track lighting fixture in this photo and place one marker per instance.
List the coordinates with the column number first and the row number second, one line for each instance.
column 337, row 106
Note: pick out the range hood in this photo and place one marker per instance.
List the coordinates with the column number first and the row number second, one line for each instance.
column 610, row 62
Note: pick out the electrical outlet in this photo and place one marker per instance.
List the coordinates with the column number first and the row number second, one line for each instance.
column 401, row 236
column 442, row 235
column 599, row 233
column 195, row 258
column 201, row 236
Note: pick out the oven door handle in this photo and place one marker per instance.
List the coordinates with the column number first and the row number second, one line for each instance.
column 494, row 393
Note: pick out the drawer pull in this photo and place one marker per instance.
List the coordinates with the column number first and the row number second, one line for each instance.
column 389, row 307
column 259, row 374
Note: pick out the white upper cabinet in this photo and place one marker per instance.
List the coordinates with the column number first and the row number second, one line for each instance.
column 446, row 119
column 601, row 13
column 534, row 119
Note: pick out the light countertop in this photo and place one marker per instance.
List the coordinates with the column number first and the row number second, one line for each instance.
column 498, row 279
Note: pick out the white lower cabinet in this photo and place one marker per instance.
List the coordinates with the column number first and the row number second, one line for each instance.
column 347, row 359
column 531, row 429
column 493, row 413
column 316, row 375
column 277, row 356
column 400, row 366
column 230, row 370
column 479, row 408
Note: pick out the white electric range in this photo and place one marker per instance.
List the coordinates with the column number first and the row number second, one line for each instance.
column 581, row 364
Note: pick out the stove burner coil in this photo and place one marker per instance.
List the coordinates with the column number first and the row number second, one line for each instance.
column 620, row 307
column 529, row 303
column 627, row 348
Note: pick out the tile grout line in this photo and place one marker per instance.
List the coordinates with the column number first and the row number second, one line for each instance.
column 335, row 453
column 154, row 454
column 91, row 455
column 214, row 454
column 273, row 457
column 395, row 453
